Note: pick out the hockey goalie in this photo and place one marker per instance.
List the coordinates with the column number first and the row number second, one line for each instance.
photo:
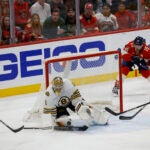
column 63, row 101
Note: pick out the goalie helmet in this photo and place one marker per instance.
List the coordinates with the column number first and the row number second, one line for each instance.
column 57, row 85
column 139, row 41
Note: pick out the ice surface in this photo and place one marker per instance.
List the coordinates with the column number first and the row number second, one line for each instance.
column 118, row 135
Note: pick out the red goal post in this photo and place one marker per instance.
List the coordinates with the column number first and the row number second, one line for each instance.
column 59, row 63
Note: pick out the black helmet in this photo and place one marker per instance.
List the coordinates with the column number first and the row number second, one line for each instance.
column 139, row 40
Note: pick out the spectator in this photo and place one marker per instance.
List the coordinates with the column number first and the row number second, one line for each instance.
column 6, row 31
column 30, row 2
column 22, row 14
column 54, row 26
column 0, row 19
column 56, row 4
column 33, row 30
column 106, row 20
column 82, row 5
column 100, row 4
column 42, row 9
column 132, row 5
column 145, row 15
column 71, row 22
column 89, row 23
column 83, row 2
column 0, row 35
column 147, row 5
column 125, row 18
column 4, row 8
column 114, row 4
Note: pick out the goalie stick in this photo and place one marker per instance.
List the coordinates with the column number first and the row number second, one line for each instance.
column 13, row 130
column 131, row 117
column 61, row 128
column 64, row 128
column 119, row 113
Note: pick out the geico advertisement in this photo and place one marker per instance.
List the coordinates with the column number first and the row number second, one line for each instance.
column 23, row 65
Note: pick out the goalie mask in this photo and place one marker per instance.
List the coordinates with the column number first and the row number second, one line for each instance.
column 57, row 85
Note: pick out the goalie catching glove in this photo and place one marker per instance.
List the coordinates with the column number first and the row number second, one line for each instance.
column 91, row 115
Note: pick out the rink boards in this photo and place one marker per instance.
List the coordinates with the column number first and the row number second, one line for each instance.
column 21, row 67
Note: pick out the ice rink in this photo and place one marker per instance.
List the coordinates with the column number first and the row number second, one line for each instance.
column 118, row 135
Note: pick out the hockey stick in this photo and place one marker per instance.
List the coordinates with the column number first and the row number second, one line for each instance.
column 13, row 130
column 72, row 128
column 119, row 113
column 63, row 128
column 131, row 117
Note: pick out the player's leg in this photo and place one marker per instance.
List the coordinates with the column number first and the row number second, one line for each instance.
column 100, row 116
column 126, row 68
column 144, row 68
column 145, row 73
column 92, row 115
column 116, row 86
column 149, row 78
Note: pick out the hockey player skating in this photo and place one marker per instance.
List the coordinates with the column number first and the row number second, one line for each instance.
column 62, row 96
column 136, row 55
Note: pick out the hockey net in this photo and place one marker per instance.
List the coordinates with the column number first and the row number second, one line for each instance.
column 93, row 73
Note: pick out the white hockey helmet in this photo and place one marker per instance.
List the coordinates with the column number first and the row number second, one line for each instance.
column 57, row 85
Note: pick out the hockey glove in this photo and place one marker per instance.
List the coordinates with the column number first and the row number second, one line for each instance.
column 136, row 60
column 143, row 65
column 129, row 64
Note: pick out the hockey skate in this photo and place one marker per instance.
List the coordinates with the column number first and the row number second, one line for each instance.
column 116, row 88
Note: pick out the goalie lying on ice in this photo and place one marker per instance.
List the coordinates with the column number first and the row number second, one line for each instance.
column 62, row 96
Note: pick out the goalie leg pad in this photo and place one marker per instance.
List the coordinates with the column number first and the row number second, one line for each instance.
column 92, row 115
column 100, row 117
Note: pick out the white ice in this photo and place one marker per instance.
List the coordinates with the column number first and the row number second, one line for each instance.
column 118, row 135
